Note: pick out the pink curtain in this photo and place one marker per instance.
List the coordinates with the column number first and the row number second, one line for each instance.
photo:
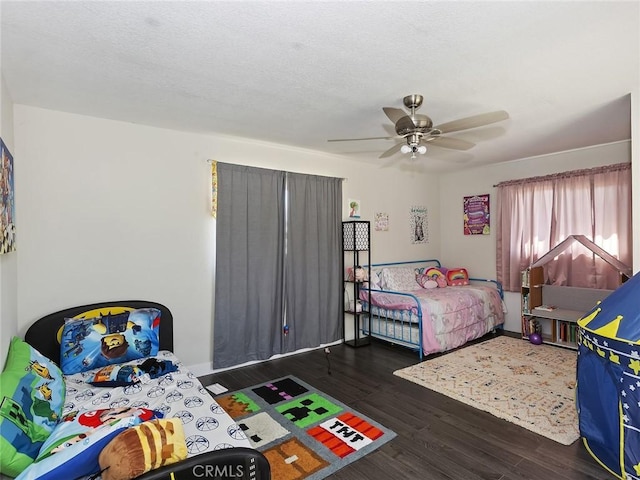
column 536, row 214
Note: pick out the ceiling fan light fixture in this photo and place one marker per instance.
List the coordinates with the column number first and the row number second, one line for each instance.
column 416, row 129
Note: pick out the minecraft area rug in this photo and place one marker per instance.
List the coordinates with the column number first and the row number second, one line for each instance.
column 304, row 433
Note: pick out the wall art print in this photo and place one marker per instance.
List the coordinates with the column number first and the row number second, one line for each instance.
column 381, row 221
column 476, row 215
column 354, row 208
column 418, row 225
column 7, row 202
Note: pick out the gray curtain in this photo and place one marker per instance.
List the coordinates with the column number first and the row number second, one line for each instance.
column 278, row 253
column 249, row 265
column 313, row 277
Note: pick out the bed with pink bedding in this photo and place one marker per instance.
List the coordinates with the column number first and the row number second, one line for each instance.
column 429, row 320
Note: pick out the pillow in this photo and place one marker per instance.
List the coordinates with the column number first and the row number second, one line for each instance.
column 145, row 447
column 374, row 281
column 78, row 451
column 457, row 277
column 128, row 374
column 428, row 283
column 432, row 277
column 109, row 339
column 32, row 395
column 399, row 279
column 117, row 376
column 77, row 426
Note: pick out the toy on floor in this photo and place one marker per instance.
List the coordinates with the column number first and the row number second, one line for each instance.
column 535, row 338
column 608, row 397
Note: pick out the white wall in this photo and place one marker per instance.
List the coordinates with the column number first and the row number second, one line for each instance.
column 478, row 252
column 635, row 158
column 8, row 261
column 111, row 210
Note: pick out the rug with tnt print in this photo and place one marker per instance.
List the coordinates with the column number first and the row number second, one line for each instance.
column 303, row 432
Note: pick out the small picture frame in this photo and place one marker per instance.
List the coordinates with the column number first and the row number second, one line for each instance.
column 418, row 225
column 354, row 208
column 381, row 221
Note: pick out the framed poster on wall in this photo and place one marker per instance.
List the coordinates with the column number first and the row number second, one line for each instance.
column 418, row 224
column 7, row 201
column 476, row 215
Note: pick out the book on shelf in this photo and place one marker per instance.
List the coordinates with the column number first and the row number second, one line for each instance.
column 546, row 308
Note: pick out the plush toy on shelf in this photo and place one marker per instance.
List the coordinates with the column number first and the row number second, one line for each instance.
column 360, row 274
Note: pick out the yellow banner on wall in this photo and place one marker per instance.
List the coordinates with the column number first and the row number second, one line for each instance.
column 214, row 188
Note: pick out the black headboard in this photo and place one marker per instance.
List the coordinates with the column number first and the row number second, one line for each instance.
column 42, row 334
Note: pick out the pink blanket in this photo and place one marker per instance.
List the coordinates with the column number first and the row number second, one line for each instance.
column 451, row 316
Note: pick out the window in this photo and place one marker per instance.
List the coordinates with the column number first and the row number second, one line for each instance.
column 536, row 214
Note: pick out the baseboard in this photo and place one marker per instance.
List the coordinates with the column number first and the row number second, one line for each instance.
column 202, row 369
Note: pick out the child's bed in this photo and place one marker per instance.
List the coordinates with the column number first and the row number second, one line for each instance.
column 215, row 446
column 428, row 308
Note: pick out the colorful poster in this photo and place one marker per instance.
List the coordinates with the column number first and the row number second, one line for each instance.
column 476, row 215
column 7, row 202
column 418, row 226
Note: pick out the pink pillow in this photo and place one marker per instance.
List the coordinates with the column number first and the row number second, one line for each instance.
column 432, row 277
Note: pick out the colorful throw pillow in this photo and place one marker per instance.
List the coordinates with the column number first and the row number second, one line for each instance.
column 74, row 450
column 145, row 447
column 457, row 277
column 32, row 395
column 432, row 277
column 109, row 339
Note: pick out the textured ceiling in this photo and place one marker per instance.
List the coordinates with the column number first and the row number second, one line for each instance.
column 300, row 73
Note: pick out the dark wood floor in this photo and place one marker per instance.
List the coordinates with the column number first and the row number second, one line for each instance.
column 438, row 437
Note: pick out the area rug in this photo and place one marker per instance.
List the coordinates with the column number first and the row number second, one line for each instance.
column 303, row 432
column 530, row 385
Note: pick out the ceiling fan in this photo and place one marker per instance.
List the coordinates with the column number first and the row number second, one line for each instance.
column 417, row 130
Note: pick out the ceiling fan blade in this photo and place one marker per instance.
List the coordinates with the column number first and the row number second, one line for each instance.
column 357, row 139
column 473, row 121
column 393, row 150
column 449, row 142
column 394, row 114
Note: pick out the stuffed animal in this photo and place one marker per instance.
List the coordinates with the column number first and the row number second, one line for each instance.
column 431, row 278
column 361, row 274
column 131, row 453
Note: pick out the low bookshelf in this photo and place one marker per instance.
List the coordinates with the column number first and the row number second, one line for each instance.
column 553, row 311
